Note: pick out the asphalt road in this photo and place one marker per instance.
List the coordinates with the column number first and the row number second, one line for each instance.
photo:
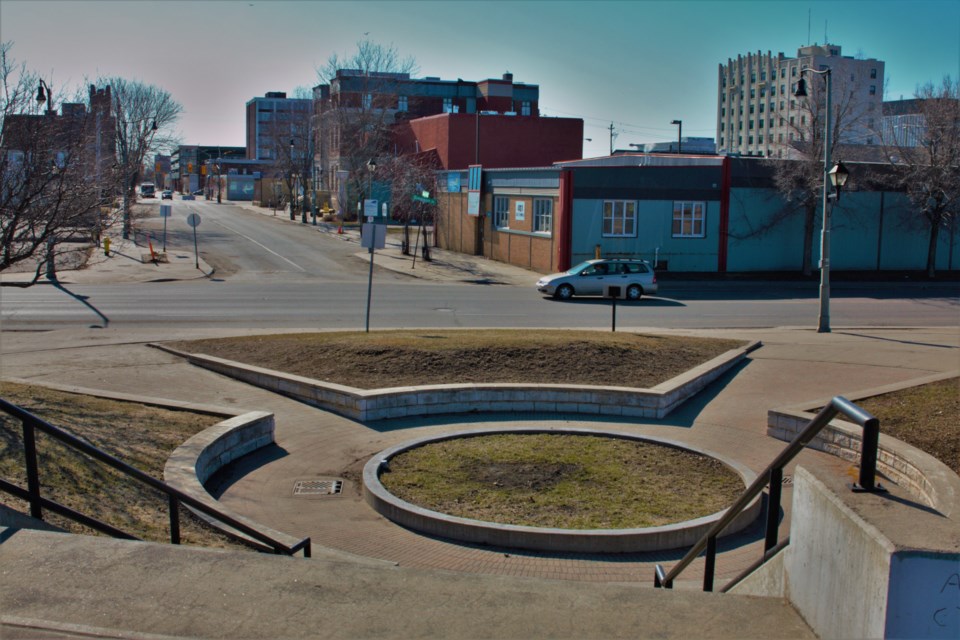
column 271, row 273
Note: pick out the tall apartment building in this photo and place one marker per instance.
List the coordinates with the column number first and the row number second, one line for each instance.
column 758, row 114
column 275, row 119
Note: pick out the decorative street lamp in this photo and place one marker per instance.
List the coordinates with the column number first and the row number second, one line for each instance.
column 837, row 177
column 48, row 97
column 679, row 124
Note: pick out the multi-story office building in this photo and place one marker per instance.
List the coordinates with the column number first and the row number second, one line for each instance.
column 273, row 121
column 187, row 173
column 758, row 114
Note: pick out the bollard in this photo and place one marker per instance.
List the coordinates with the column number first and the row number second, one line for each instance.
column 106, row 247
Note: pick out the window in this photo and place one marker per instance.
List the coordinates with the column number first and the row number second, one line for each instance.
column 873, row 74
column 750, row 125
column 367, row 100
column 542, row 215
column 761, row 123
column 525, row 108
column 783, row 89
column 753, row 92
column 873, row 89
column 753, row 76
column 619, row 218
column 448, row 105
column 803, row 120
column 793, row 72
column 783, row 74
column 761, row 107
column 763, row 92
column 688, row 219
column 401, row 103
column 501, row 211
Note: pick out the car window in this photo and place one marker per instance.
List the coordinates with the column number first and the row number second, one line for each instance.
column 615, row 268
column 636, row 267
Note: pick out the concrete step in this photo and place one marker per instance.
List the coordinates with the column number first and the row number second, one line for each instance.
column 61, row 585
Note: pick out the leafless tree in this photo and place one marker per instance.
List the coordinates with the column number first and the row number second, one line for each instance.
column 144, row 115
column 411, row 178
column 799, row 178
column 48, row 197
column 355, row 126
column 292, row 134
column 929, row 172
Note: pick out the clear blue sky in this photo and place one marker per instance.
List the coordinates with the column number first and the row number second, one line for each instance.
column 638, row 64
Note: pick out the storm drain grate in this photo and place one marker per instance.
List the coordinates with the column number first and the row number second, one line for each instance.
column 317, row 487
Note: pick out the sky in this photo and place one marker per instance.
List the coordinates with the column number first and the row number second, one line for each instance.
column 637, row 64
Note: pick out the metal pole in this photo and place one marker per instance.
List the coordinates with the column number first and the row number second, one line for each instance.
column 824, row 320
column 370, row 283
column 196, row 254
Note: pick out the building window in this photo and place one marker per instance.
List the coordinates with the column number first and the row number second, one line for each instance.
column 761, row 123
column 793, row 72
column 873, row 89
column 501, row 211
column 763, row 92
column 542, row 215
column 751, row 109
column 619, row 218
column 750, row 125
column 753, row 92
column 448, row 105
column 873, row 74
column 367, row 100
column 688, row 219
column 762, row 105
column 525, row 108
column 401, row 103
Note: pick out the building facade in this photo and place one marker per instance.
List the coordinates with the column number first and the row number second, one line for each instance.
column 273, row 121
column 717, row 214
column 187, row 164
column 758, row 114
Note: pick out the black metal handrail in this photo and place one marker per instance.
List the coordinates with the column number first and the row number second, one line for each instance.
column 773, row 475
column 176, row 497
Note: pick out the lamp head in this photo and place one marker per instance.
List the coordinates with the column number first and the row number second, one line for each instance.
column 677, row 122
column 371, row 165
column 838, row 176
column 801, row 90
column 41, row 97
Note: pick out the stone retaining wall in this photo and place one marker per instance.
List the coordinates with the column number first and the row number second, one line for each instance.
column 403, row 402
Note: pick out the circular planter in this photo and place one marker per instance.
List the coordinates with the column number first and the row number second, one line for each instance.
column 671, row 536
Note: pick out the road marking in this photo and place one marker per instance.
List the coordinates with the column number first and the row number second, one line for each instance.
column 260, row 245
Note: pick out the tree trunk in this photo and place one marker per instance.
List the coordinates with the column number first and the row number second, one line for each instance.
column 932, row 249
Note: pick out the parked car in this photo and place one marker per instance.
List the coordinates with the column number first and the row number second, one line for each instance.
column 198, row 192
column 166, row 195
column 593, row 277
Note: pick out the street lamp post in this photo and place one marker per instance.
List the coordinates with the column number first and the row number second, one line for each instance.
column 837, row 177
column 679, row 124
column 51, row 239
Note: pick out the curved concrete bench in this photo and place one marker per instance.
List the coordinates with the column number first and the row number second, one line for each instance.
column 193, row 463
column 916, row 471
column 429, row 400
column 672, row 536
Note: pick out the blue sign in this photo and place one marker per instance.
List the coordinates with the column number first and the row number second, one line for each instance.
column 453, row 182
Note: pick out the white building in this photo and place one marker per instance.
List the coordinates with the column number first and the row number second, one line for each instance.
column 758, row 114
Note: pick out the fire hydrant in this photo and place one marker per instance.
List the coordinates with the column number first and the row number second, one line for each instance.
column 106, row 246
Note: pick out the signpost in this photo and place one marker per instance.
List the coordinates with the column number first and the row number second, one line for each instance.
column 165, row 212
column 194, row 221
column 372, row 236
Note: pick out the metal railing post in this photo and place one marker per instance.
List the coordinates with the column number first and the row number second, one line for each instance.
column 33, row 470
column 709, row 567
column 174, row 519
column 773, row 508
column 868, row 455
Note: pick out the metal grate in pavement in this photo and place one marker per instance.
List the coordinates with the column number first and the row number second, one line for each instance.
column 317, row 487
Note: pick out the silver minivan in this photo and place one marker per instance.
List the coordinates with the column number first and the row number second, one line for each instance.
column 593, row 277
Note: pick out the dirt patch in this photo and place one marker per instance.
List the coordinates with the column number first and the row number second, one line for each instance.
column 405, row 358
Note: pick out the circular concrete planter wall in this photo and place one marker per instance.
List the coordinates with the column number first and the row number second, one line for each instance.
column 539, row 538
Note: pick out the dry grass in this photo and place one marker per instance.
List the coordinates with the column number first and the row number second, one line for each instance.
column 403, row 358
column 139, row 435
column 927, row 417
column 563, row 481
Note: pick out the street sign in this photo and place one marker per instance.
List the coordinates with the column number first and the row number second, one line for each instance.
column 419, row 198
column 193, row 220
column 374, row 236
column 165, row 210
column 371, row 208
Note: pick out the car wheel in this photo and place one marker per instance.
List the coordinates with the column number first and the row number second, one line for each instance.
column 634, row 292
column 564, row 292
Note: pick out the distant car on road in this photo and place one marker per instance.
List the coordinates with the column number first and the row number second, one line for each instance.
column 166, row 195
column 198, row 192
column 591, row 278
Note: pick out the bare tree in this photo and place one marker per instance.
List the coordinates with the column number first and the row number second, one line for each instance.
column 799, row 178
column 412, row 179
column 929, row 172
column 48, row 197
column 292, row 135
column 356, row 117
column 144, row 115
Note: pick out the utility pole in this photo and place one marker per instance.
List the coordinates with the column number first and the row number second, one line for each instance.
column 612, row 136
